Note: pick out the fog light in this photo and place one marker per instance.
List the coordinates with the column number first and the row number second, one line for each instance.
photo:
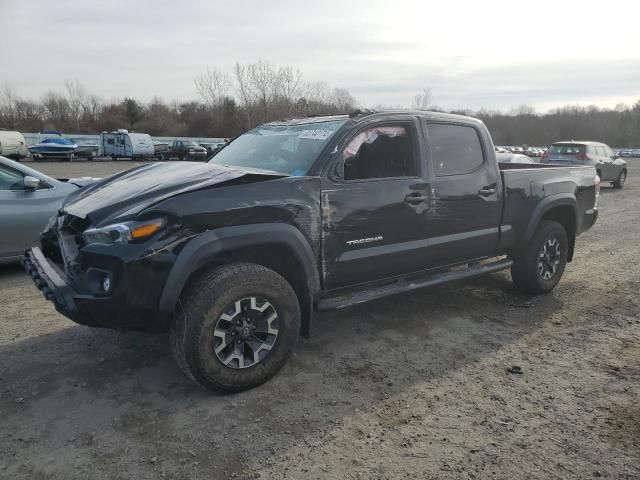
column 106, row 284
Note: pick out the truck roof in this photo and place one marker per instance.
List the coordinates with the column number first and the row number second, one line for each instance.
column 429, row 115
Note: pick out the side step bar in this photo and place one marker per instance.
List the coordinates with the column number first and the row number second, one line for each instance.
column 404, row 285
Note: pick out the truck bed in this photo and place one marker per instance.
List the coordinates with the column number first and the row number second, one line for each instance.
column 528, row 187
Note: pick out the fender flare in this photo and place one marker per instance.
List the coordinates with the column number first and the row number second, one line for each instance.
column 203, row 248
column 549, row 203
column 546, row 204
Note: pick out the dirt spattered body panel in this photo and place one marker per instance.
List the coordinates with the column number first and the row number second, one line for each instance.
column 291, row 200
column 134, row 190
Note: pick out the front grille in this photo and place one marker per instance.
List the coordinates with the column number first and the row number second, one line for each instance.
column 62, row 241
column 73, row 226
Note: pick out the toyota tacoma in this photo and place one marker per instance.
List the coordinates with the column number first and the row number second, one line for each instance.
column 234, row 256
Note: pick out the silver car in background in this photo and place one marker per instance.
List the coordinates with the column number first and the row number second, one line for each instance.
column 28, row 199
column 608, row 164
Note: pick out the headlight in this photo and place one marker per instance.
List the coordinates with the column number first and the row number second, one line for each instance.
column 123, row 232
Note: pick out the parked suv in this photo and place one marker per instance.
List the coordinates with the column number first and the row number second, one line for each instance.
column 610, row 167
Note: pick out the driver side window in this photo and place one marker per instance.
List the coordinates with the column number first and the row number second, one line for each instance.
column 11, row 179
column 380, row 152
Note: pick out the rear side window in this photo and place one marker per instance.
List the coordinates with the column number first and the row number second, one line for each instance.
column 455, row 149
column 380, row 152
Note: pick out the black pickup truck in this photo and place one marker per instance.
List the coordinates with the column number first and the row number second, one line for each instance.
column 234, row 256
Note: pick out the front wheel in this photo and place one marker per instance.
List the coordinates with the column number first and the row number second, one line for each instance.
column 540, row 266
column 235, row 327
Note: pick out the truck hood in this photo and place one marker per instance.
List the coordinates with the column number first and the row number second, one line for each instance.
column 130, row 192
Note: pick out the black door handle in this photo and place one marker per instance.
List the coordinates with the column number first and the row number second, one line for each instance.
column 486, row 191
column 415, row 198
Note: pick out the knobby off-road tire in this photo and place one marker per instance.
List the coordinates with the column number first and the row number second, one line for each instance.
column 227, row 315
column 622, row 178
column 540, row 266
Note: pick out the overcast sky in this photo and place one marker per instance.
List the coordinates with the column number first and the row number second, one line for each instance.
column 489, row 54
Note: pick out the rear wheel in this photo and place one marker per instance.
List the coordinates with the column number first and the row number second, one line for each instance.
column 235, row 327
column 540, row 266
column 622, row 178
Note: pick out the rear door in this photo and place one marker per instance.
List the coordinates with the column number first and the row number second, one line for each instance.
column 375, row 205
column 609, row 169
column 466, row 193
column 617, row 165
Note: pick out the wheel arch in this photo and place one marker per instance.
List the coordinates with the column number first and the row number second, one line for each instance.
column 559, row 208
column 277, row 246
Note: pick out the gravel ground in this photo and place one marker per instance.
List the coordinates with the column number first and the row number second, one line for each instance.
column 414, row 386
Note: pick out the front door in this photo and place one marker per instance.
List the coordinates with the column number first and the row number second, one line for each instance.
column 374, row 206
column 24, row 213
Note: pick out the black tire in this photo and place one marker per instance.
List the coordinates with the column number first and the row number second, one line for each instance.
column 526, row 270
column 205, row 303
column 622, row 178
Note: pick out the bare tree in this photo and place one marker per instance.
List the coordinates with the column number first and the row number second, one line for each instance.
column 213, row 87
column 8, row 103
column 523, row 109
column 263, row 80
column 77, row 103
column 288, row 87
column 423, row 100
column 244, row 93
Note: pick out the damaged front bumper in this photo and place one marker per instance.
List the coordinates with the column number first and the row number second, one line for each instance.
column 127, row 307
column 49, row 280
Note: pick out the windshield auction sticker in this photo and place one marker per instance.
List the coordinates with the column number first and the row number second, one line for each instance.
column 316, row 134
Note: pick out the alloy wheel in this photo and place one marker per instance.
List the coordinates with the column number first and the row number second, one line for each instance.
column 549, row 258
column 246, row 332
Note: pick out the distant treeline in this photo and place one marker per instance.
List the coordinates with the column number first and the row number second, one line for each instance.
column 231, row 103
column 618, row 128
column 227, row 105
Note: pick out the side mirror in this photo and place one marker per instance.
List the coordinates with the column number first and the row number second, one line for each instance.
column 31, row 183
